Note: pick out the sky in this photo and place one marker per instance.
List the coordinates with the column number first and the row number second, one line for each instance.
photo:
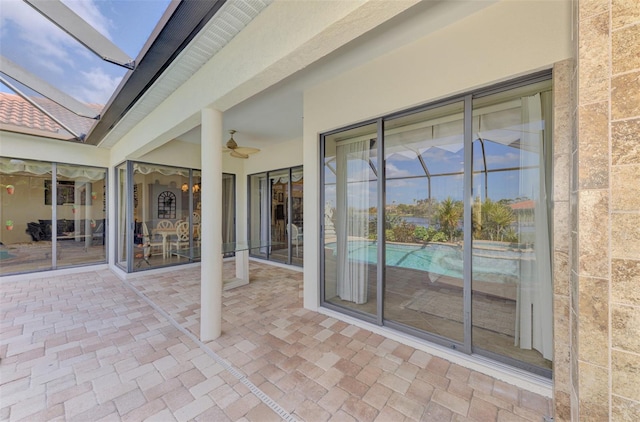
column 31, row 41
column 405, row 187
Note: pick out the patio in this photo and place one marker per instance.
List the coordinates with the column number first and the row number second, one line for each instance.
column 88, row 346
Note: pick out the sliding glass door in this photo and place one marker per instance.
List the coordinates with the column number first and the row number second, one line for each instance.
column 80, row 214
column 511, row 288
column 424, row 156
column 350, row 220
column 275, row 215
column 228, row 206
column 53, row 215
column 452, row 228
column 279, row 210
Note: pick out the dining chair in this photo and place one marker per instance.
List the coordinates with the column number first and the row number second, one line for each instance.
column 296, row 237
column 164, row 224
column 182, row 237
column 150, row 242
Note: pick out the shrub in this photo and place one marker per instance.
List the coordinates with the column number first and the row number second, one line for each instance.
column 389, row 235
column 439, row 237
column 421, row 233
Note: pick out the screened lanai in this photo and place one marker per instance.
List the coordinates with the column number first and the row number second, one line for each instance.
column 81, row 66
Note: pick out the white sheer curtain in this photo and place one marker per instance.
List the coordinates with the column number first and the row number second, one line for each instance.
column 534, row 313
column 352, row 223
column 228, row 206
column 265, row 198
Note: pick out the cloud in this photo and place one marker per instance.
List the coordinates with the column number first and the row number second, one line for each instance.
column 42, row 40
column 97, row 87
column 45, row 50
column 89, row 11
column 508, row 158
column 393, row 171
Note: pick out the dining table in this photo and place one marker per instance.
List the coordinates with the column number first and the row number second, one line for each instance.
column 165, row 233
column 241, row 251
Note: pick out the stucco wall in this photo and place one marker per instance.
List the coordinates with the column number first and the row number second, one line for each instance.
column 51, row 150
column 281, row 155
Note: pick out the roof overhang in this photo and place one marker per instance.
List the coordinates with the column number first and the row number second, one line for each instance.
column 179, row 25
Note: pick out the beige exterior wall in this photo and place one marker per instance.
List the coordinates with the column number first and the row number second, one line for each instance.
column 45, row 149
column 605, row 264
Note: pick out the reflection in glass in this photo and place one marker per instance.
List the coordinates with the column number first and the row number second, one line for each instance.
column 53, row 215
column 166, row 227
column 259, row 200
column 276, row 215
column 228, row 205
column 511, row 281
column 25, row 230
column 123, row 220
column 350, row 225
column 423, row 221
column 432, row 266
column 279, row 188
column 297, row 216
column 81, row 223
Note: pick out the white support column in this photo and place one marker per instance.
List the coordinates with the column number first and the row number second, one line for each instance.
column 211, row 226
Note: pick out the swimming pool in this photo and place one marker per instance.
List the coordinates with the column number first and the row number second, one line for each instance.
column 6, row 255
column 496, row 265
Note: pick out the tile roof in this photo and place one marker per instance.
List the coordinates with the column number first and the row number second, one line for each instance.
column 16, row 114
column 523, row 205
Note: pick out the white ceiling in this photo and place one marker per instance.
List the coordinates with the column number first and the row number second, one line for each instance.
column 275, row 115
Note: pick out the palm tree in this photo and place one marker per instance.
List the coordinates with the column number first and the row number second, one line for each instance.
column 477, row 218
column 449, row 214
column 497, row 218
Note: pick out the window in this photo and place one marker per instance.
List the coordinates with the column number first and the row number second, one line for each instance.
column 448, row 240
column 166, row 205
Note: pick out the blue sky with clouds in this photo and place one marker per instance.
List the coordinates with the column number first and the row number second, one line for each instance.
column 31, row 41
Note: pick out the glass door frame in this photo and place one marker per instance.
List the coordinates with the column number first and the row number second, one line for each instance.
column 289, row 220
column 466, row 346
column 129, row 211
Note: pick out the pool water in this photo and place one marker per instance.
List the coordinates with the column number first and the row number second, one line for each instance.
column 5, row 255
column 437, row 258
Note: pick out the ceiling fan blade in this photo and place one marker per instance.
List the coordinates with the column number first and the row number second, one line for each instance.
column 235, row 153
column 247, row 150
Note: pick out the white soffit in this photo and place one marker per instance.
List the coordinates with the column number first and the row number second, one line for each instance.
column 226, row 24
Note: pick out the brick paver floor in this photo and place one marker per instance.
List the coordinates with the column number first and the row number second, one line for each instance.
column 91, row 347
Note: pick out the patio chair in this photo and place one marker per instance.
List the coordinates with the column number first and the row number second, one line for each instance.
column 296, row 237
column 150, row 242
column 164, row 224
column 141, row 248
column 182, row 237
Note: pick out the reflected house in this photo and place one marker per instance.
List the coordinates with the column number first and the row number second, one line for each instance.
column 430, row 111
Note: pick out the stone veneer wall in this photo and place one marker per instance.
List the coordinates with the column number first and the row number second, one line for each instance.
column 605, row 214
column 563, row 135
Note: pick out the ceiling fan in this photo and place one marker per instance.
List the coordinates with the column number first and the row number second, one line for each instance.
column 238, row 151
